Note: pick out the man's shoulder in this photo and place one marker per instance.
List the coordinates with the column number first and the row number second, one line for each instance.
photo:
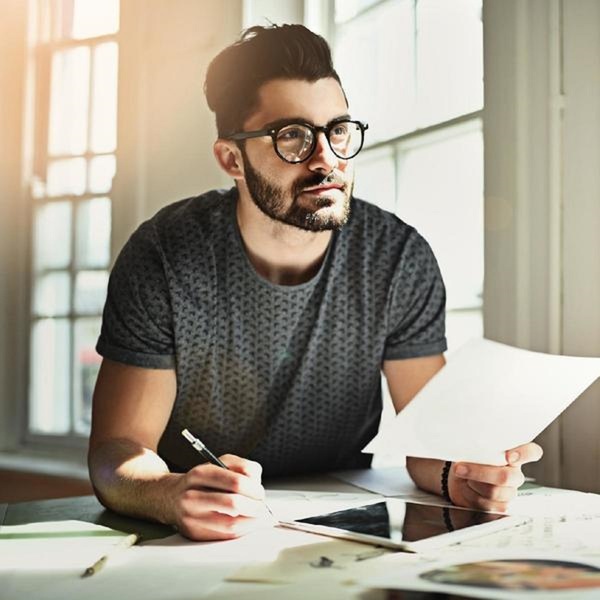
column 383, row 236
column 195, row 216
column 370, row 218
column 192, row 208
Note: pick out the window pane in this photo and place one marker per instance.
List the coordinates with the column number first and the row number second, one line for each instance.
column 449, row 59
column 95, row 17
column 377, row 70
column 346, row 9
column 440, row 192
column 85, row 370
column 52, row 236
column 375, row 178
column 102, row 171
column 49, row 377
column 90, row 291
column 66, row 177
column 93, row 233
column 52, row 293
column 69, row 101
column 104, row 99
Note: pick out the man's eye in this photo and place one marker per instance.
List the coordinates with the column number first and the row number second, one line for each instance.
column 341, row 129
column 290, row 134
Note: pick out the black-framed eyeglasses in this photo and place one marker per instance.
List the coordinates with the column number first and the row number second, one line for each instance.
column 295, row 142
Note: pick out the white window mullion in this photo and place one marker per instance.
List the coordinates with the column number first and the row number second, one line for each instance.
column 73, row 172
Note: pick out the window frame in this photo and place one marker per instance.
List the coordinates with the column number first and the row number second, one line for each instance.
column 37, row 130
column 323, row 20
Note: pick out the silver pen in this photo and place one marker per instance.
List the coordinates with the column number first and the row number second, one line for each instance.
column 202, row 449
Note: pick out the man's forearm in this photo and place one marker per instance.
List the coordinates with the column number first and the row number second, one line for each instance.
column 132, row 480
column 426, row 473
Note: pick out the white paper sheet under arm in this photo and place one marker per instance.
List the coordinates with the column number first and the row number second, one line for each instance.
column 489, row 398
column 386, row 481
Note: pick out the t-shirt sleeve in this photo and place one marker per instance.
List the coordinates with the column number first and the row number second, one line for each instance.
column 137, row 320
column 417, row 303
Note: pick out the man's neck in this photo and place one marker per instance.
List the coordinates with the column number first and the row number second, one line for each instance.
column 280, row 253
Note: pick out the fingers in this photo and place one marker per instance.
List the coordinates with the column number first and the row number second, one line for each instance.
column 195, row 503
column 495, row 493
column 472, row 499
column 225, row 480
column 244, row 466
column 486, row 487
column 213, row 503
column 216, row 526
column 526, row 453
column 499, row 476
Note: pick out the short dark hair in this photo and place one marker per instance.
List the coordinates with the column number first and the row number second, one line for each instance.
column 262, row 54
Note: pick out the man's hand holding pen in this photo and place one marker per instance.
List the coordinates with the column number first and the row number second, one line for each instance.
column 213, row 503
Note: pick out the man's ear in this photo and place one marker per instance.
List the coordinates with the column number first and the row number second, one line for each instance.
column 229, row 157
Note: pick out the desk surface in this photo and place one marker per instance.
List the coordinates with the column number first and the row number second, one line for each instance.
column 80, row 508
column 170, row 567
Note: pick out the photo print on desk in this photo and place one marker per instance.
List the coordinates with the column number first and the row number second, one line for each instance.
column 513, row 574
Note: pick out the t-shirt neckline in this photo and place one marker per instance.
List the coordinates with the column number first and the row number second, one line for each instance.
column 249, row 267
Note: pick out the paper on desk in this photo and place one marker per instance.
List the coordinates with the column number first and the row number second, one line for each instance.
column 288, row 505
column 314, row 560
column 489, row 398
column 386, row 481
column 561, row 520
column 565, row 505
column 55, row 545
column 45, row 561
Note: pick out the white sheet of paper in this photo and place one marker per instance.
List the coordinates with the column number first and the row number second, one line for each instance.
column 386, row 481
column 489, row 398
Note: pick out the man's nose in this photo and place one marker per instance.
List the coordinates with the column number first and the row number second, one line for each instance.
column 323, row 159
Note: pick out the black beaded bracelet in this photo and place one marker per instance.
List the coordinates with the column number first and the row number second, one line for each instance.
column 447, row 518
column 445, row 473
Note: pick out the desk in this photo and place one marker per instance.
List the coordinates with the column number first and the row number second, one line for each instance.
column 82, row 508
column 170, row 567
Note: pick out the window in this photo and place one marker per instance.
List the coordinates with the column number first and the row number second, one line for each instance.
column 418, row 82
column 73, row 72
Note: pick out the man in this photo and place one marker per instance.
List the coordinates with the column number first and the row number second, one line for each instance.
column 261, row 318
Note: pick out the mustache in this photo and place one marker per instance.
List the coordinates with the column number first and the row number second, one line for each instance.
column 332, row 178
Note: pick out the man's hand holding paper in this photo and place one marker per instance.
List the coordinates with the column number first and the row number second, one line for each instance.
column 491, row 487
column 481, row 411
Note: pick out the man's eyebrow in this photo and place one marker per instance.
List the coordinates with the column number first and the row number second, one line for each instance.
column 290, row 120
column 282, row 122
column 345, row 117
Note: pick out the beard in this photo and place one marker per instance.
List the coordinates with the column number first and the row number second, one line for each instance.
column 271, row 200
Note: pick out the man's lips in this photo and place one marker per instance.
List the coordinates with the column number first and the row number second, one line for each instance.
column 322, row 188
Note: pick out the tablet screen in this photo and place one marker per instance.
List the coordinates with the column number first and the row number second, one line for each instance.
column 401, row 521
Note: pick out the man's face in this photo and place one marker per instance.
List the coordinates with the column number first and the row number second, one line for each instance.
column 313, row 195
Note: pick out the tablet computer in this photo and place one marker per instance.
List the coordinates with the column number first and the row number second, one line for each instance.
column 410, row 526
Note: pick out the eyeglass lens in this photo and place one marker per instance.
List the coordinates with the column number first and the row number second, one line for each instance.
column 296, row 142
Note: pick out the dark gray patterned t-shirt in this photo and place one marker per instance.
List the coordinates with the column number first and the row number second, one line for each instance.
column 289, row 376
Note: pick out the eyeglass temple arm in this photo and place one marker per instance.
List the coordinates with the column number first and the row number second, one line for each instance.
column 244, row 135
